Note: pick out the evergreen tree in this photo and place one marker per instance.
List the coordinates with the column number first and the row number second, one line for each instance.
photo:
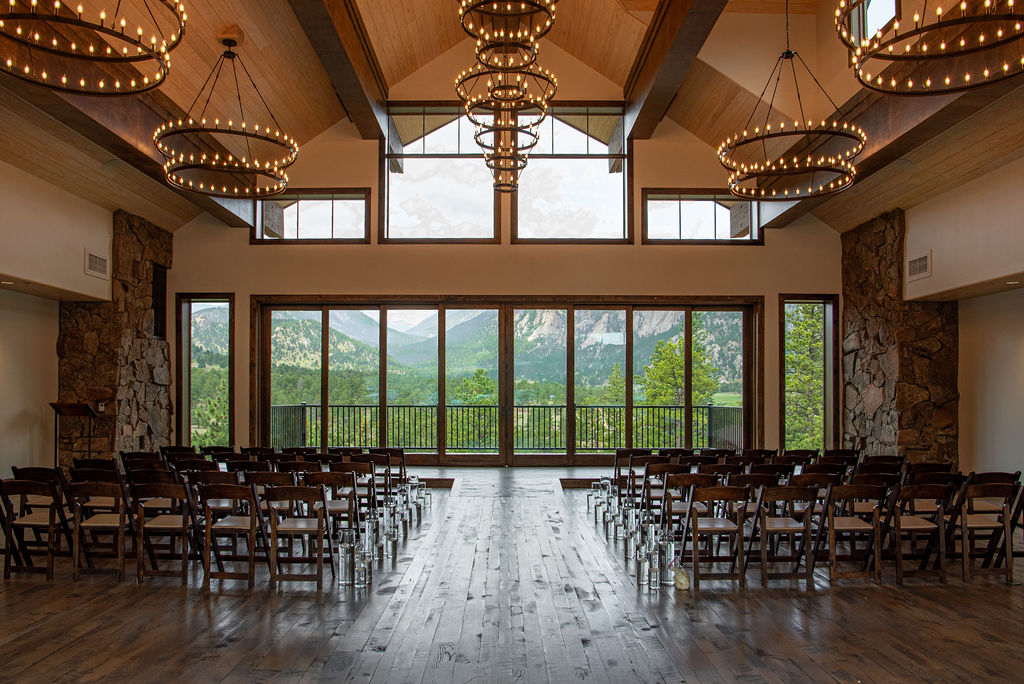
column 804, row 376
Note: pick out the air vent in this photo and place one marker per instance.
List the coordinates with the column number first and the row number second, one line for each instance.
column 919, row 267
column 97, row 265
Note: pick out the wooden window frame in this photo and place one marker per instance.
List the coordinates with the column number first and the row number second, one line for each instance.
column 366, row 194
column 628, row 205
column 385, row 187
column 647, row 240
column 831, row 375
column 753, row 349
column 182, row 352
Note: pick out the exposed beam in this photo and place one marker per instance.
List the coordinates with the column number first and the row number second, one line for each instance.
column 336, row 31
column 674, row 37
column 896, row 126
column 124, row 127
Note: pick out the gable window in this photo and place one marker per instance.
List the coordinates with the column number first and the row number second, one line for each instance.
column 438, row 187
column 574, row 186
column 699, row 216
column 337, row 215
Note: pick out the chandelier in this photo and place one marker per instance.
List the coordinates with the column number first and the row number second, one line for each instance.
column 968, row 44
column 506, row 93
column 226, row 157
column 89, row 51
column 774, row 159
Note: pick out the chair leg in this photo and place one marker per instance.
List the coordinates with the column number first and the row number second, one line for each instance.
column 897, row 543
column 184, row 550
column 319, row 555
column 695, row 580
column 252, row 555
column 273, row 555
column 833, row 572
column 76, row 553
column 877, row 551
column 141, row 534
column 966, row 542
column 942, row 552
column 119, row 537
column 741, row 563
column 8, row 549
column 206, row 556
column 50, row 541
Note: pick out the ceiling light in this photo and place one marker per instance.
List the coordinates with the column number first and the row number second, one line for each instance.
column 777, row 159
column 224, row 156
column 968, row 45
column 85, row 49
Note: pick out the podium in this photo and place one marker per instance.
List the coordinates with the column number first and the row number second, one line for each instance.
column 73, row 409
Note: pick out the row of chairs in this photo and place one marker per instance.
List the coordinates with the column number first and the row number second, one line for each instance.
column 190, row 509
column 812, row 508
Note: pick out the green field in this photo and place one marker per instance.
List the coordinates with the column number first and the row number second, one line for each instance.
column 728, row 399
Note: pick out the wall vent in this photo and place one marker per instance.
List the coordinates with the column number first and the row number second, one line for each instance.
column 97, row 265
column 919, row 267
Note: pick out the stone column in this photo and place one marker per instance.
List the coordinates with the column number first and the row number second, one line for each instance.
column 899, row 358
column 107, row 352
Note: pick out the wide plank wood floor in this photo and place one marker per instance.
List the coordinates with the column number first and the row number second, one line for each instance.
column 508, row 580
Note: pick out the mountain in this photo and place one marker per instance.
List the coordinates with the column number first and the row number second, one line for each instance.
column 472, row 337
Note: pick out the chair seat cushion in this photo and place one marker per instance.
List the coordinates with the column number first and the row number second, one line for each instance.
column 715, row 524
column 158, row 502
column 680, row 507
column 981, row 521
column 297, row 525
column 99, row 502
column 110, row 521
column 851, row 524
column 37, row 500
column 863, row 507
column 335, row 506
column 783, row 525
column 38, row 518
column 232, row 523
column 220, row 504
column 164, row 522
column 988, row 505
column 915, row 522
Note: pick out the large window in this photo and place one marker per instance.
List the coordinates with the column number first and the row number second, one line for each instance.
column 574, row 185
column 438, row 188
column 512, row 381
column 698, row 216
column 205, row 378
column 314, row 216
column 808, row 368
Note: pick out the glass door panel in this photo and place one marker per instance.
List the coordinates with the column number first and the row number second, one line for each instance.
column 208, row 407
column 471, row 381
column 296, row 342
column 353, row 380
column 659, row 379
column 804, row 375
column 716, row 362
column 539, row 353
column 600, row 387
column 412, row 392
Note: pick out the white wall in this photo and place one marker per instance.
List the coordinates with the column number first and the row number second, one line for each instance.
column 28, row 379
column 45, row 230
column 975, row 233
column 992, row 382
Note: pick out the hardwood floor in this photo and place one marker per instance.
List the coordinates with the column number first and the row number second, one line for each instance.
column 507, row 579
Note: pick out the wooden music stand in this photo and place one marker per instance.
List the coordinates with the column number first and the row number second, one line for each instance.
column 68, row 408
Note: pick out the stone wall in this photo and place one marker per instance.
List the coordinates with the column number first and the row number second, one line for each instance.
column 899, row 358
column 107, row 352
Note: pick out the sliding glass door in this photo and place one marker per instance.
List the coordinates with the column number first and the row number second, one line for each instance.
column 504, row 382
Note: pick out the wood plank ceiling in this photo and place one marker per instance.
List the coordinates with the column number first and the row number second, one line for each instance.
column 276, row 52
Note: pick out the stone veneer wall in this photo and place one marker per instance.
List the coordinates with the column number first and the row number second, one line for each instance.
column 107, row 352
column 899, row 357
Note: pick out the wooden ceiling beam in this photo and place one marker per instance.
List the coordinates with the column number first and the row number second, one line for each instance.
column 124, row 127
column 674, row 37
column 896, row 126
column 336, row 30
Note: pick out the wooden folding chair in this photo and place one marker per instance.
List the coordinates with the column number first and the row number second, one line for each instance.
column 676, row 453
column 48, row 476
column 976, row 514
column 715, row 501
column 300, row 518
column 911, row 518
column 174, row 524
column 718, row 454
column 846, row 515
column 775, row 519
column 238, row 523
column 82, row 493
column 18, row 554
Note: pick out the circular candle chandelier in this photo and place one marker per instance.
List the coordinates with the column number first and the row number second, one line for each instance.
column 965, row 45
column 226, row 157
column 506, row 93
column 507, row 32
column 86, row 50
column 782, row 160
